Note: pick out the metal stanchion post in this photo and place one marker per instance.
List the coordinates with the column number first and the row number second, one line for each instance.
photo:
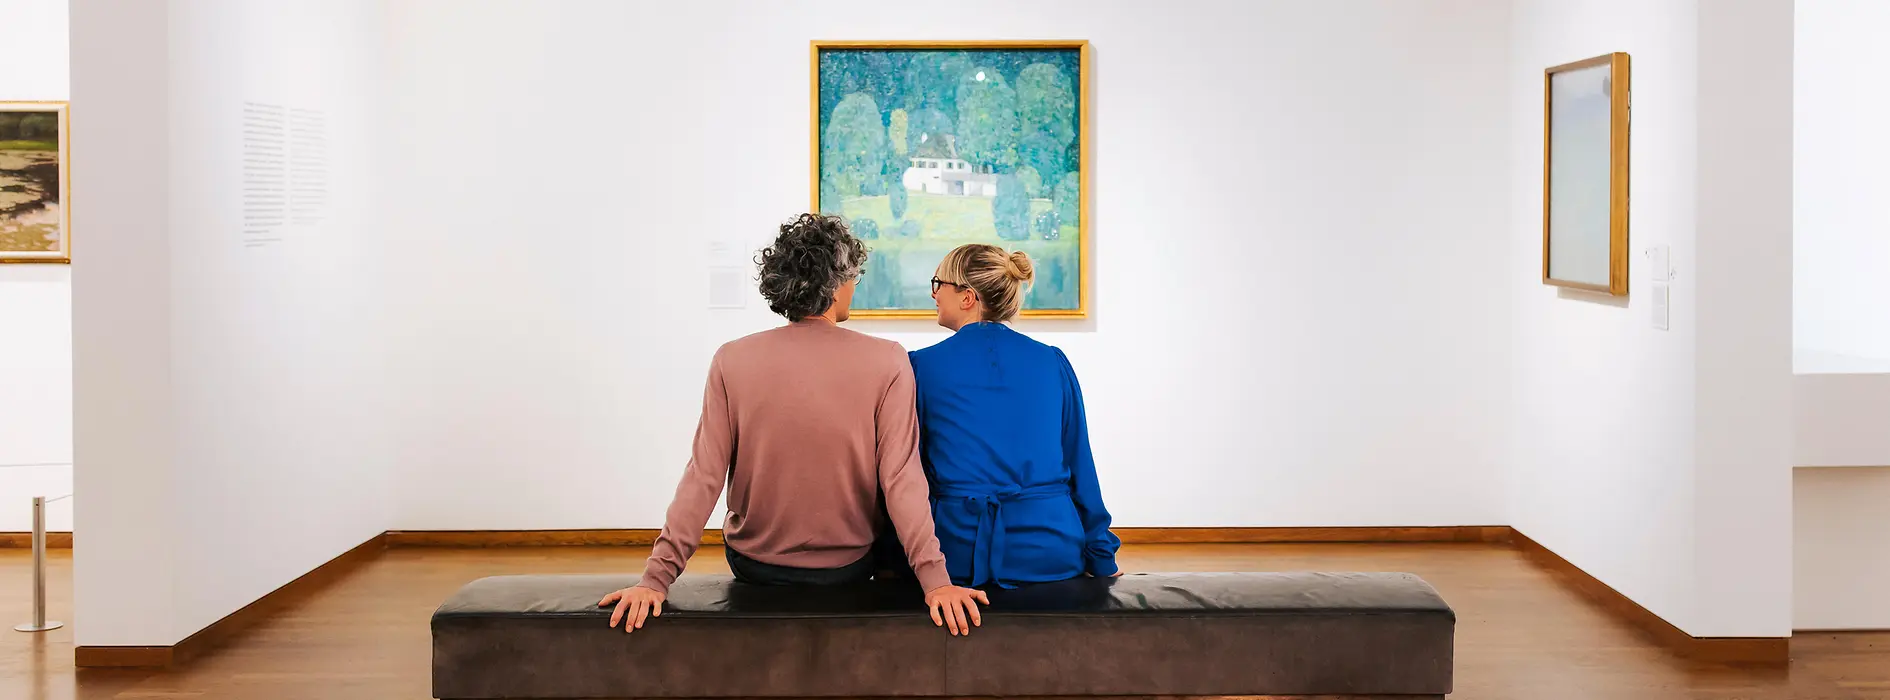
column 39, row 623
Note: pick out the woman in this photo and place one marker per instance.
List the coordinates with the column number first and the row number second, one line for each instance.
column 1003, row 437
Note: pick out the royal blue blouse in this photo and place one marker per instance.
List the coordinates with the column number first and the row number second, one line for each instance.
column 1006, row 449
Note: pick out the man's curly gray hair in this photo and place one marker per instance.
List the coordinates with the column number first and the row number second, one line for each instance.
column 813, row 255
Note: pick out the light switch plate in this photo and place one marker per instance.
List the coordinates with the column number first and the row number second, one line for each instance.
column 1660, row 305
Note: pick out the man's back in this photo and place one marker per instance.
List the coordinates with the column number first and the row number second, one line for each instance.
column 806, row 423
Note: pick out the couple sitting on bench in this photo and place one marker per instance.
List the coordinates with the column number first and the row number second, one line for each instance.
column 964, row 465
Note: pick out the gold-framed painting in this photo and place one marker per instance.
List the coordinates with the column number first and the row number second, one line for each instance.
column 1585, row 175
column 35, row 223
column 923, row 146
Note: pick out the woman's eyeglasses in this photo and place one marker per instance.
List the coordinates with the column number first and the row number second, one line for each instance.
column 936, row 283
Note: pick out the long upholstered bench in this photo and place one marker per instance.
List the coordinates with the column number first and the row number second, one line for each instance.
column 1351, row 635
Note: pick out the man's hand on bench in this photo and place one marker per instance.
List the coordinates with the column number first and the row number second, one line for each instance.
column 956, row 608
column 952, row 607
column 634, row 605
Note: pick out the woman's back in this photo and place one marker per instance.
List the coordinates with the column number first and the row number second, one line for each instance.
column 1006, row 449
column 997, row 401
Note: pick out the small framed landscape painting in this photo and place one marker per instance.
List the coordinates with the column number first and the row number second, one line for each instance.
column 926, row 146
column 33, row 151
column 1585, row 175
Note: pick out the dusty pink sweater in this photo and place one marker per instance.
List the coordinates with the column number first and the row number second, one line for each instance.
column 805, row 423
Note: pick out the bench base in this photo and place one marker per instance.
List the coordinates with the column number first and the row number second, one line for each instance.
column 1105, row 697
column 1253, row 635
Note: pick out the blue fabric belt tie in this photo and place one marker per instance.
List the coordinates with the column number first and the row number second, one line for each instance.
column 987, row 553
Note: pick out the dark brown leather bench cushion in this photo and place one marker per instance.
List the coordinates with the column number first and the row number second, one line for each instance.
column 1141, row 634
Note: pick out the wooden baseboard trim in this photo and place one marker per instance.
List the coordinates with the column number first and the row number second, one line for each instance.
column 1291, row 535
column 122, row 657
column 1765, row 650
column 1758, row 650
column 24, row 540
column 1842, row 630
column 533, row 538
column 234, row 624
column 1129, row 535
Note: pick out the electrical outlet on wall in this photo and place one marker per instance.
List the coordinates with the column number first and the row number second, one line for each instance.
column 1658, row 269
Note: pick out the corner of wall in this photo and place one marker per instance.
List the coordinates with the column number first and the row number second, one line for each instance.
column 124, row 449
column 1744, row 428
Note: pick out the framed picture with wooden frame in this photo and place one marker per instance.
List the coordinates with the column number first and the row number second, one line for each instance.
column 1585, row 175
column 923, row 146
column 35, row 219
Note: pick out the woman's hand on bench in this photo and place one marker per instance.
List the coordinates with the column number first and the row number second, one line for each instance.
column 634, row 605
column 956, row 608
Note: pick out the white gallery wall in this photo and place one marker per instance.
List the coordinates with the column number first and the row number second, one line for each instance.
column 1602, row 466
column 229, row 413
column 1839, row 558
column 1300, row 313
column 1743, row 429
column 35, row 303
column 1841, row 316
column 1841, row 228
column 1316, row 296
column 1659, row 460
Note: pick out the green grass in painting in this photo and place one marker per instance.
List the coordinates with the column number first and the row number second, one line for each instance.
column 28, row 146
column 900, row 265
column 940, row 217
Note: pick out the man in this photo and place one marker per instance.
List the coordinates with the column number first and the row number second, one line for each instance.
column 807, row 424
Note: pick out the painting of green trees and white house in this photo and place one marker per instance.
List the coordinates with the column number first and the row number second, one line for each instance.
column 922, row 150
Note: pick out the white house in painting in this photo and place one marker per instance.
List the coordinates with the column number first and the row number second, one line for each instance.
column 948, row 174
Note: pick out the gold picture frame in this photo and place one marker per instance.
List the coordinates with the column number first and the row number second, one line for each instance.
column 896, row 282
column 35, row 188
column 1586, row 172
